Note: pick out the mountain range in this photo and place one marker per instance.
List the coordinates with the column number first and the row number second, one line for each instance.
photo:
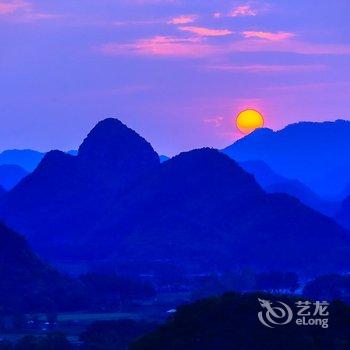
column 16, row 164
column 315, row 153
column 27, row 159
column 200, row 210
column 11, row 175
column 274, row 183
column 62, row 198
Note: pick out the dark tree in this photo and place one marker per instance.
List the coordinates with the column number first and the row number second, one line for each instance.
column 231, row 322
column 5, row 345
column 329, row 287
column 52, row 341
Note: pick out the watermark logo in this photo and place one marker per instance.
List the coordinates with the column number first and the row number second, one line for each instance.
column 274, row 315
column 303, row 313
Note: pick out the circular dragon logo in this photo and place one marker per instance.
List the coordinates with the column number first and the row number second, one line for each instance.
column 274, row 315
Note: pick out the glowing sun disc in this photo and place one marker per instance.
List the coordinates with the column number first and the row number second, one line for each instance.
column 249, row 120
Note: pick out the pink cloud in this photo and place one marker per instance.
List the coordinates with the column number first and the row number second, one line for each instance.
column 268, row 35
column 23, row 11
column 133, row 23
column 161, row 46
column 195, row 47
column 289, row 45
column 309, row 86
column 10, row 7
column 183, row 19
column 264, row 68
column 243, row 11
column 202, row 31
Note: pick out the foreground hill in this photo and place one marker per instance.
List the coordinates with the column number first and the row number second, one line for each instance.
column 314, row 153
column 201, row 211
column 231, row 322
column 27, row 284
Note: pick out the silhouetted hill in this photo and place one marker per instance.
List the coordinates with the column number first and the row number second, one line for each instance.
column 27, row 284
column 231, row 322
column 60, row 201
column 11, row 175
column 274, row 183
column 26, row 158
column 314, row 153
column 116, row 155
column 202, row 212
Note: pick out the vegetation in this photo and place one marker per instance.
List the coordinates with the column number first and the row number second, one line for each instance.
column 230, row 322
column 329, row 287
column 52, row 341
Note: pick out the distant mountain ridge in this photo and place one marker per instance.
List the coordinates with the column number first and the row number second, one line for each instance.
column 200, row 210
column 11, row 175
column 163, row 158
column 16, row 164
column 29, row 159
column 26, row 158
column 315, row 153
column 274, row 183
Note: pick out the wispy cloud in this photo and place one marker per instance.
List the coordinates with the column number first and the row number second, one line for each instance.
column 10, row 7
column 23, row 11
column 127, row 23
column 199, row 46
column 290, row 46
column 184, row 19
column 309, row 86
column 130, row 89
column 265, row 68
column 161, row 46
column 149, row 2
column 240, row 11
column 215, row 121
column 243, row 11
column 202, row 31
column 268, row 35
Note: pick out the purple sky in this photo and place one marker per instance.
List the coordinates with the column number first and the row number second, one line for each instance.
column 176, row 71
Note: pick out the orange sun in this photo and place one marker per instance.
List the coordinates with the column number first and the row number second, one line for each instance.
column 249, row 120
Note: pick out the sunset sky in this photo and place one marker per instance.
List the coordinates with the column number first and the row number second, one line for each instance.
column 176, row 71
